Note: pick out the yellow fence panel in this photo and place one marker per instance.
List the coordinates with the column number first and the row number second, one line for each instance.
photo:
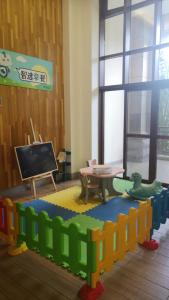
column 10, row 220
column 132, row 229
column 115, row 239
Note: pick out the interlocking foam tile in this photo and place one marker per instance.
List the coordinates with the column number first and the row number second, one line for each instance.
column 52, row 210
column 111, row 209
column 69, row 199
column 85, row 222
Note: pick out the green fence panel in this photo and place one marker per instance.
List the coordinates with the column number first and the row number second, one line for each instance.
column 67, row 246
column 58, row 240
column 30, row 216
column 74, row 247
column 43, row 233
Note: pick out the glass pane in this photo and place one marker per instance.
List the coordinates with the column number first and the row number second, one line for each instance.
column 163, row 113
column 113, row 127
column 114, row 38
column 165, row 22
column 138, row 156
column 113, row 71
column 115, row 3
column 141, row 27
column 163, row 161
column 138, row 112
column 136, row 1
column 163, row 69
column 140, row 67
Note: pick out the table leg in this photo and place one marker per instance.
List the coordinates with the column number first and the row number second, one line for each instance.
column 83, row 191
column 82, row 194
column 103, row 188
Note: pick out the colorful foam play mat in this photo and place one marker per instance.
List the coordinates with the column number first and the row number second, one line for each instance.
column 68, row 205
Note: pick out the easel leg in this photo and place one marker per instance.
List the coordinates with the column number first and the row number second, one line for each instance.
column 53, row 182
column 34, row 188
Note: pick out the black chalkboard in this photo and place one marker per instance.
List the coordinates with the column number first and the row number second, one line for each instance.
column 36, row 159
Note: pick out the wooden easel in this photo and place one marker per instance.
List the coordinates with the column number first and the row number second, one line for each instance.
column 38, row 177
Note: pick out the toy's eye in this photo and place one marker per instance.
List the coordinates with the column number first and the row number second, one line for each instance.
column 3, row 59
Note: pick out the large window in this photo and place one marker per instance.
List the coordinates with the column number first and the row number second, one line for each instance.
column 134, row 86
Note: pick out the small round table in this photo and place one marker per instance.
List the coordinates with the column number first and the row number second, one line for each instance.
column 104, row 180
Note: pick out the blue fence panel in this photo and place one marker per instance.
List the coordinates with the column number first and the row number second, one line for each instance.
column 160, row 206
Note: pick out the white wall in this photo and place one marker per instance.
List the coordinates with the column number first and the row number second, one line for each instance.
column 80, row 52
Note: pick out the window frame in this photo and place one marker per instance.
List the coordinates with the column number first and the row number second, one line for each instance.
column 154, row 85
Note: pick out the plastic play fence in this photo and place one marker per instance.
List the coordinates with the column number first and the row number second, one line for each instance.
column 86, row 254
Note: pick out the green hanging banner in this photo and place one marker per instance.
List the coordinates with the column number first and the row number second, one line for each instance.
column 25, row 71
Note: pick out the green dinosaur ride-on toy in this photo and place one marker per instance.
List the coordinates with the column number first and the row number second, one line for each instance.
column 143, row 191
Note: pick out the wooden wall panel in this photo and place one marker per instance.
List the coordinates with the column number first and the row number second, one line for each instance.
column 31, row 27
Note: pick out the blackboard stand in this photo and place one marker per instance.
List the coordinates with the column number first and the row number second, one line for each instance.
column 33, row 179
column 39, row 177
